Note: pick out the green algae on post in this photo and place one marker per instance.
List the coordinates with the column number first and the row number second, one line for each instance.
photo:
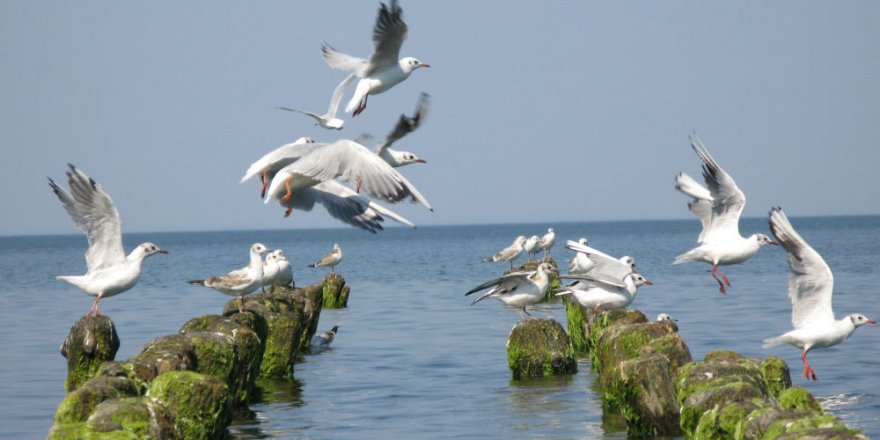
column 539, row 347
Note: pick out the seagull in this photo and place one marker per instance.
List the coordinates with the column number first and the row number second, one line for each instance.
column 810, row 285
column 665, row 317
column 242, row 281
column 581, row 263
column 547, row 242
column 270, row 270
column 518, row 289
column 328, row 120
column 603, row 294
column 405, row 125
column 331, row 259
column 324, row 339
column 509, row 253
column 532, row 245
column 603, row 266
column 383, row 70
column 349, row 161
column 718, row 208
column 273, row 161
column 110, row 271
column 276, row 270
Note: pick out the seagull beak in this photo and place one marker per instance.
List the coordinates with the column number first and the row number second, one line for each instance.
column 162, row 251
column 774, row 243
column 421, row 161
column 649, row 283
column 424, row 65
column 871, row 321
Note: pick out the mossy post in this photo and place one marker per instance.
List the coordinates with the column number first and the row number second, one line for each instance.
column 91, row 342
column 284, row 327
column 124, row 418
column 539, row 347
column 576, row 316
column 335, row 291
column 199, row 403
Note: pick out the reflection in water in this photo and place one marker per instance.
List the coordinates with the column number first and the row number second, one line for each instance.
column 273, row 392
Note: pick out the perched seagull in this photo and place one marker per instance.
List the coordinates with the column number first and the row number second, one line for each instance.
column 349, row 161
column 383, row 70
column 604, row 267
column 331, row 259
column 242, row 281
column 518, row 289
column 328, row 120
column 276, row 270
column 581, row 263
column 405, row 125
column 324, row 339
column 547, row 242
column 272, row 162
column 665, row 317
column 602, row 294
column 509, row 253
column 532, row 245
column 810, row 285
column 718, row 208
column 110, row 272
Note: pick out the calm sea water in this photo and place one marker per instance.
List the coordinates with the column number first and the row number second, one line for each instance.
column 412, row 359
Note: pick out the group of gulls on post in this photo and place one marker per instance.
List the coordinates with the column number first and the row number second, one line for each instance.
column 602, row 282
column 300, row 174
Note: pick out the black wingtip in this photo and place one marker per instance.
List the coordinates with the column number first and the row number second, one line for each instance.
column 198, row 282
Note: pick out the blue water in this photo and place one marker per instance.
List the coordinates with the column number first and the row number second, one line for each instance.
column 412, row 359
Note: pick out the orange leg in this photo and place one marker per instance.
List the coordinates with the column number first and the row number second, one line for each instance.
column 715, row 273
column 240, row 304
column 265, row 179
column 287, row 196
column 357, row 181
column 809, row 373
column 361, row 106
column 94, row 311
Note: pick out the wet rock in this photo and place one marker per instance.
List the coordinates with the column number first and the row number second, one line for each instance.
column 618, row 343
column 539, row 347
column 248, row 348
column 724, row 420
column 91, row 342
column 198, row 403
column 307, row 303
column 335, row 292
column 80, row 403
column 776, row 375
column 215, row 354
column 641, row 390
column 596, row 322
column 131, row 417
column 774, row 423
column 798, row 398
column 284, row 328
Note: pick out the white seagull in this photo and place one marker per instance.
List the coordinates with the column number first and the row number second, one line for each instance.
column 810, row 285
column 509, row 253
column 547, row 242
column 602, row 266
column 602, row 294
column 349, row 161
column 518, row 289
column 110, row 271
column 328, row 120
column 665, row 317
column 718, row 208
column 242, row 281
column 532, row 245
column 276, row 270
column 581, row 263
column 383, row 70
column 405, row 125
column 272, row 162
column 331, row 259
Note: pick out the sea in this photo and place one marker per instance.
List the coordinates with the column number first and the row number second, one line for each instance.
column 412, row 358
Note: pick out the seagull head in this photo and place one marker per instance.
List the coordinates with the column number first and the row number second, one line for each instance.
column 405, row 158
column 408, row 64
column 150, row 249
column 259, row 248
column 765, row 240
column 859, row 320
column 640, row 280
column 665, row 317
column 629, row 261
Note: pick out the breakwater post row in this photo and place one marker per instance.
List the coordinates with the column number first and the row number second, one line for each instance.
column 192, row 383
column 651, row 384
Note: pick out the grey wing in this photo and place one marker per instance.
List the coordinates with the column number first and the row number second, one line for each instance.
column 515, row 277
column 340, row 61
column 727, row 199
column 406, row 125
column 810, row 282
column 280, row 157
column 608, row 268
column 388, row 35
column 344, row 204
column 94, row 213
column 594, row 280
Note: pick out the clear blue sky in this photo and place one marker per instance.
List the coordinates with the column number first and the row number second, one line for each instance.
column 542, row 111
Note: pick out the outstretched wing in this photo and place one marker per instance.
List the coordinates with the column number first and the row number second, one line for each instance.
column 515, row 277
column 406, row 125
column 608, row 269
column 340, row 61
column 727, row 199
column 810, row 282
column 388, row 35
column 94, row 213
column 281, row 157
column 701, row 205
column 344, row 204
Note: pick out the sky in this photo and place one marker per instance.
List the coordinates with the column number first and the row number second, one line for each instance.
column 541, row 112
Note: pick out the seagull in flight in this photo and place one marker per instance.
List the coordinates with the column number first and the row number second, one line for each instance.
column 382, row 70
column 405, row 125
column 110, row 271
column 328, row 120
column 718, row 207
column 810, row 285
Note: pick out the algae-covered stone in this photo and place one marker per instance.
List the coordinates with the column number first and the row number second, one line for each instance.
column 91, row 342
column 641, row 390
column 126, row 418
column 307, row 303
column 576, row 317
column 617, row 343
column 770, row 423
column 215, row 354
column 79, row 404
column 776, row 375
column 284, row 327
column 199, row 403
column 539, row 347
column 335, row 292
column 798, row 398
column 596, row 322
column 723, row 420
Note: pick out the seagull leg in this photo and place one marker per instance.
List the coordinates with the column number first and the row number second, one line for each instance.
column 264, row 177
column 357, row 181
column 361, row 106
column 809, row 373
column 92, row 309
column 715, row 273
column 240, row 304
column 287, row 195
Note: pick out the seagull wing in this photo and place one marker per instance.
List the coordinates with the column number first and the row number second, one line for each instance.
column 810, row 281
column 337, row 96
column 344, row 204
column 281, row 157
column 388, row 35
column 701, row 205
column 94, row 213
column 505, row 282
column 608, row 269
column 406, row 125
column 340, row 61
column 727, row 199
